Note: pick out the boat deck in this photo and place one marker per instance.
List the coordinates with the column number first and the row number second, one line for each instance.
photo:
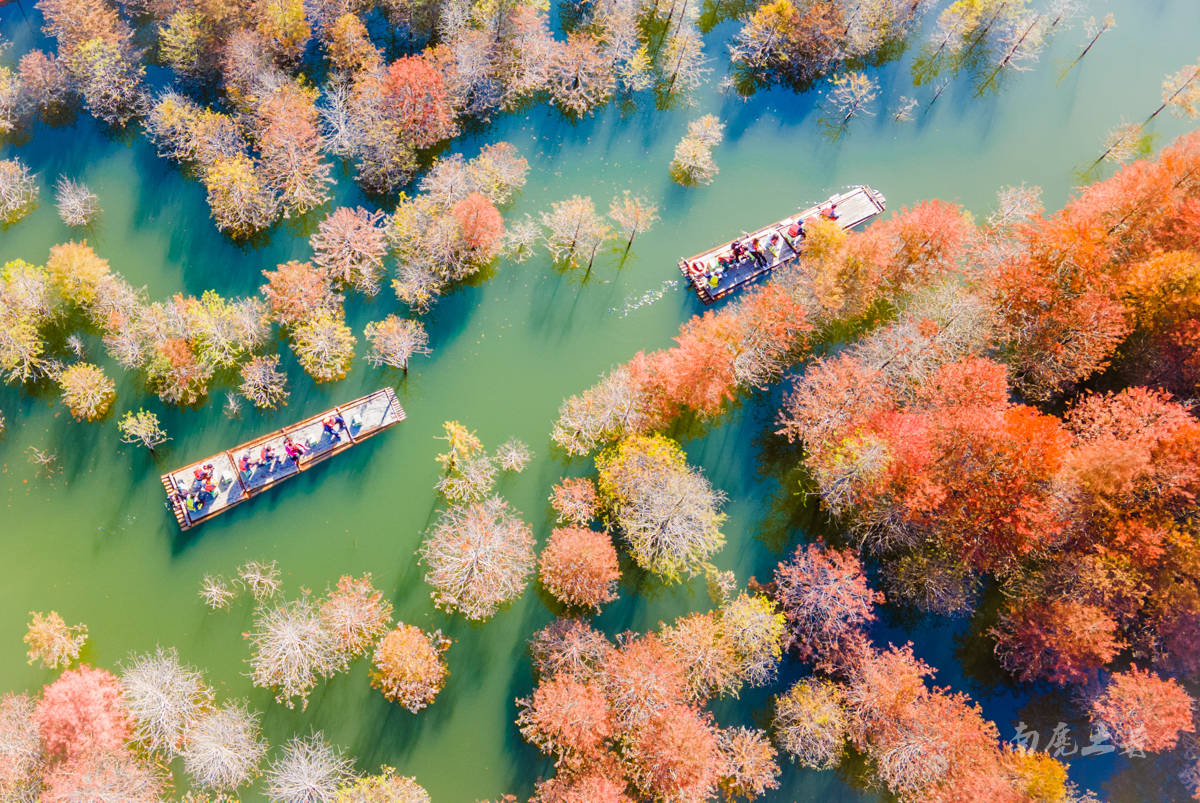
column 364, row 417
column 854, row 207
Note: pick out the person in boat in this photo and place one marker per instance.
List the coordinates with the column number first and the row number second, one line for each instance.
column 830, row 212
column 774, row 244
column 760, row 258
column 333, row 425
column 191, row 502
column 725, row 262
column 206, row 494
column 266, row 456
column 738, row 249
column 245, row 464
column 292, row 449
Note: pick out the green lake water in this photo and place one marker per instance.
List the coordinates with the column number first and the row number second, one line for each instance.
column 96, row 543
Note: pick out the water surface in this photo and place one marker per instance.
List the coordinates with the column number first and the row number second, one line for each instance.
column 96, row 543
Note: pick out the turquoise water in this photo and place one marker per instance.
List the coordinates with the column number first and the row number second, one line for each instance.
column 96, row 543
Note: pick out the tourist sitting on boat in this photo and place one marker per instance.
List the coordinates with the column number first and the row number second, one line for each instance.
column 292, row 449
column 331, row 426
column 725, row 262
column 797, row 229
column 190, row 502
column 756, row 251
column 266, row 456
column 739, row 250
column 245, row 465
column 206, row 494
column 830, row 212
column 774, row 244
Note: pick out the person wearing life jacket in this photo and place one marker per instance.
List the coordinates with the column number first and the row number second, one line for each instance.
column 244, row 465
column 830, row 212
column 760, row 258
column 292, row 449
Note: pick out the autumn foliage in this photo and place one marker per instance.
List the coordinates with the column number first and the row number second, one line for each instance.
column 409, row 668
column 1143, row 712
column 827, row 602
column 579, row 567
column 81, row 713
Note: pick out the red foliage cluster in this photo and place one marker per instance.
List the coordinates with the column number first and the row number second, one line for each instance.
column 579, row 567
column 1085, row 519
column 1063, row 641
column 81, row 713
column 620, row 719
column 296, row 291
column 416, row 102
column 570, row 646
column 924, row 744
column 1073, row 287
column 960, row 470
column 1142, row 712
column 827, row 602
column 479, row 224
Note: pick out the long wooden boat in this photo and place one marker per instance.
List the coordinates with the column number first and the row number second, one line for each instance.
column 703, row 272
column 364, row 417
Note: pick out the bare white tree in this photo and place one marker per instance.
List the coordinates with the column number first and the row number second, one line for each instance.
column 18, row 190
column 290, row 648
column 77, row 205
column 667, row 511
column 1122, row 142
column 1016, row 205
column 22, row 756
column 520, row 237
column 693, row 163
column 574, row 230
column 852, row 95
column 339, row 135
column 513, row 455
column 163, row 697
column 633, row 215
column 233, row 405
column 217, row 592
column 222, row 747
column 611, row 408
column 261, row 578
column 394, row 340
column 904, row 110
column 470, row 480
column 309, row 771
column 479, row 556
column 263, row 383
